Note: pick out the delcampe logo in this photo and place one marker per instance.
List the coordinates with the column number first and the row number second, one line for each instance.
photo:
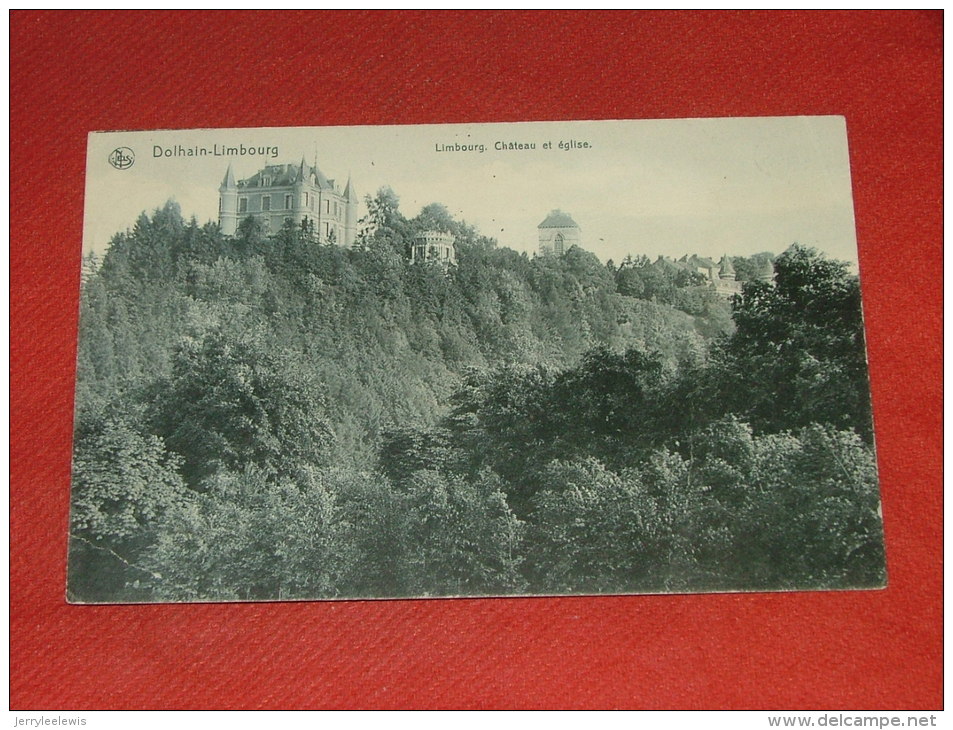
column 122, row 158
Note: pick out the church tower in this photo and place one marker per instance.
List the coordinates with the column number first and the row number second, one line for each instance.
column 558, row 233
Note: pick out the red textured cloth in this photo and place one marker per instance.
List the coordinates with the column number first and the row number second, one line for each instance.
column 76, row 72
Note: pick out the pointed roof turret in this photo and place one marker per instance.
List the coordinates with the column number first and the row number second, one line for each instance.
column 726, row 270
column 349, row 193
column 303, row 172
column 229, row 182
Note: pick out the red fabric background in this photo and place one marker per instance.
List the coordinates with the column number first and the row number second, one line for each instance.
column 76, row 72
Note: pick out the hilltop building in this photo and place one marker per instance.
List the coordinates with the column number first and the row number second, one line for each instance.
column 721, row 277
column 433, row 246
column 299, row 193
column 558, row 233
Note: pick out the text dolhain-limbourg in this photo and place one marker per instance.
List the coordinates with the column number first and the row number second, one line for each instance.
column 216, row 150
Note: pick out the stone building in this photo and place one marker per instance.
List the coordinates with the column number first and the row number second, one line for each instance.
column 721, row 277
column 299, row 193
column 433, row 246
column 558, row 233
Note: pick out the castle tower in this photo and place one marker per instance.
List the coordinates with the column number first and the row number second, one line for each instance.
column 558, row 233
column 303, row 176
column 725, row 268
column 434, row 246
column 228, row 203
column 350, row 213
column 727, row 284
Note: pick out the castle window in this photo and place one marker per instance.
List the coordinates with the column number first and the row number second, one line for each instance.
column 220, row 205
column 305, row 200
column 266, row 202
column 289, row 200
column 327, row 206
column 243, row 205
column 265, row 182
column 558, row 243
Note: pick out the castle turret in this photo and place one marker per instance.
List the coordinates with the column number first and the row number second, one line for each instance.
column 725, row 269
column 228, row 203
column 434, row 246
column 350, row 214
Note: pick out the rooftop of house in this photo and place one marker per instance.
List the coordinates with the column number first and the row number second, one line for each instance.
column 285, row 176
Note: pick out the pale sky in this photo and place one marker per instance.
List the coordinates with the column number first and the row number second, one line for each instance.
column 672, row 187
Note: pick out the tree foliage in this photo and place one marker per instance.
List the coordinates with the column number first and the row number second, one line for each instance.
column 124, row 482
column 230, row 402
column 268, row 416
column 798, row 355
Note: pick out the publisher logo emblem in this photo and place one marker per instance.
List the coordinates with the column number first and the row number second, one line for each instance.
column 122, row 158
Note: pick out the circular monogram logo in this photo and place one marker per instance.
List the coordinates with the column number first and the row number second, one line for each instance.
column 122, row 158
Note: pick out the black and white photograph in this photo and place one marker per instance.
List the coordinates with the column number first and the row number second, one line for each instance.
column 526, row 359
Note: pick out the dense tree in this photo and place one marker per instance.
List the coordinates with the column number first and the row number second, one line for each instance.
column 593, row 530
column 504, row 422
column 231, row 402
column 798, row 354
column 816, row 519
column 752, row 268
column 268, row 416
column 406, row 451
column 124, row 482
column 384, row 225
column 465, row 538
column 607, row 406
column 252, row 536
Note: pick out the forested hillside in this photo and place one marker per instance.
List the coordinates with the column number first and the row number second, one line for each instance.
column 269, row 417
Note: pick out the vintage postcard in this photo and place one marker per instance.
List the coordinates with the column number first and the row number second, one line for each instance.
column 472, row 360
